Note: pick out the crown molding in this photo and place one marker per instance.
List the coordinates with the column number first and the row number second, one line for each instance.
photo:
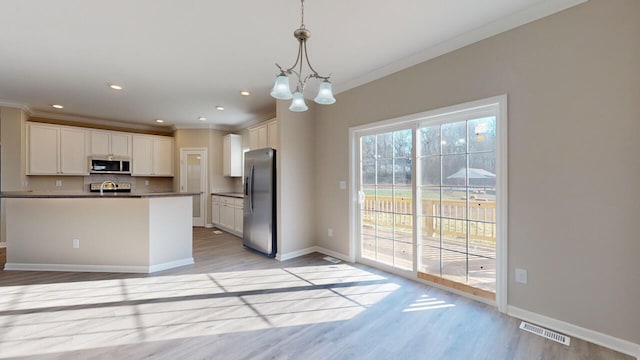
column 13, row 104
column 102, row 122
column 204, row 126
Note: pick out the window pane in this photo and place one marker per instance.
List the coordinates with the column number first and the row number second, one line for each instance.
column 385, row 172
column 368, row 148
column 482, row 242
column 430, row 231
column 369, row 223
column 454, row 170
column 430, row 168
column 402, row 144
column 384, row 199
column 368, row 247
column 454, row 138
column 368, row 172
column 384, row 224
column 430, row 201
column 369, row 199
column 403, row 229
column 403, row 200
column 483, row 211
column 403, row 253
column 482, row 273
column 454, row 203
column 482, row 169
column 430, row 260
column 385, row 251
column 482, row 134
column 402, row 171
column 430, row 140
column 385, row 146
column 454, row 235
column 454, row 266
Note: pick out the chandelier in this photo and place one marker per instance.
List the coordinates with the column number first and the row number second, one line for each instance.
column 281, row 89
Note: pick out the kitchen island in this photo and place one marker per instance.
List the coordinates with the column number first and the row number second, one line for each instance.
column 114, row 232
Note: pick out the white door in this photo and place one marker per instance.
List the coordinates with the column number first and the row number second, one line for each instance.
column 193, row 178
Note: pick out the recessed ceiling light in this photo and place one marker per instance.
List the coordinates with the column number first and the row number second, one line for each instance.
column 219, row 107
column 159, row 120
column 245, row 93
column 58, row 106
column 115, row 87
column 202, row 118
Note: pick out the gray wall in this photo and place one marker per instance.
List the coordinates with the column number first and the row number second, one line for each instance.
column 573, row 81
column 295, row 179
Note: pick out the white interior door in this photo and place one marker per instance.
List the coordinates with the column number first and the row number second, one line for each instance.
column 193, row 178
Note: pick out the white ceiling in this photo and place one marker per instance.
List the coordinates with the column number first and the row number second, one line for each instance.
column 178, row 59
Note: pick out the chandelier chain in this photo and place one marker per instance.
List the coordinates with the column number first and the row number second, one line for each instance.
column 302, row 14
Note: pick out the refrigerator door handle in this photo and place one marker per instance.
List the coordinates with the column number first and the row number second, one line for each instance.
column 251, row 188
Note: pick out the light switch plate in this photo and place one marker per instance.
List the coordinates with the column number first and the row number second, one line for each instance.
column 521, row 276
column 343, row 185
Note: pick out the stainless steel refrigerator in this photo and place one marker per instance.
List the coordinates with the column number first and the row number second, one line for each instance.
column 259, row 227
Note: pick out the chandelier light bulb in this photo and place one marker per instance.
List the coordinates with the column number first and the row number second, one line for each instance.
column 297, row 104
column 325, row 94
column 281, row 89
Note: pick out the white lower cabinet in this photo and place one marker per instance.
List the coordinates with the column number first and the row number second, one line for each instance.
column 215, row 210
column 227, row 213
column 238, row 211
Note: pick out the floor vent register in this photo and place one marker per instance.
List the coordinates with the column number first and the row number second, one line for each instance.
column 331, row 259
column 551, row 335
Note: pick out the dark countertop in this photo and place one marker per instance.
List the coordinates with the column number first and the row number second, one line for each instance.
column 229, row 194
column 86, row 195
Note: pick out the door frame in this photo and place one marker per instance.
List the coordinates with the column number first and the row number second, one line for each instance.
column 500, row 103
column 203, row 152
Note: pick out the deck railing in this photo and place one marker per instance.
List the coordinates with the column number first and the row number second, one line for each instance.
column 452, row 217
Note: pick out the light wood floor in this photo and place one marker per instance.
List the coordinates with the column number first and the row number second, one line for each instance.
column 234, row 304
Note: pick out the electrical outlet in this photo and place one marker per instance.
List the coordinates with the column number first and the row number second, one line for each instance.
column 76, row 243
column 521, row 276
column 330, row 232
column 58, row 183
column 343, row 185
column 146, row 183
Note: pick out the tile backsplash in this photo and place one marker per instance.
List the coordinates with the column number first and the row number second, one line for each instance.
column 81, row 183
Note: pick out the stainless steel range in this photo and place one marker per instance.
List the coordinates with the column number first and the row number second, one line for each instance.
column 110, row 186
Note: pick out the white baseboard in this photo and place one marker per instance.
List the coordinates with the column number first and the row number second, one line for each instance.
column 295, row 254
column 309, row 250
column 3, row 245
column 170, row 265
column 97, row 268
column 613, row 343
column 208, row 226
column 334, row 254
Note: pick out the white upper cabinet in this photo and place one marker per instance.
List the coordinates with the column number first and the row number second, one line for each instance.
column 232, row 155
column 152, row 156
column 57, row 150
column 110, row 143
column 264, row 135
column 74, row 144
column 43, row 149
column 162, row 156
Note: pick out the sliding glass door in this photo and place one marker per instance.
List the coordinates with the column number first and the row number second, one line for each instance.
column 428, row 197
column 457, row 212
column 386, row 194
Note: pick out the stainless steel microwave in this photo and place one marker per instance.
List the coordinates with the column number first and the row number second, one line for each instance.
column 109, row 165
